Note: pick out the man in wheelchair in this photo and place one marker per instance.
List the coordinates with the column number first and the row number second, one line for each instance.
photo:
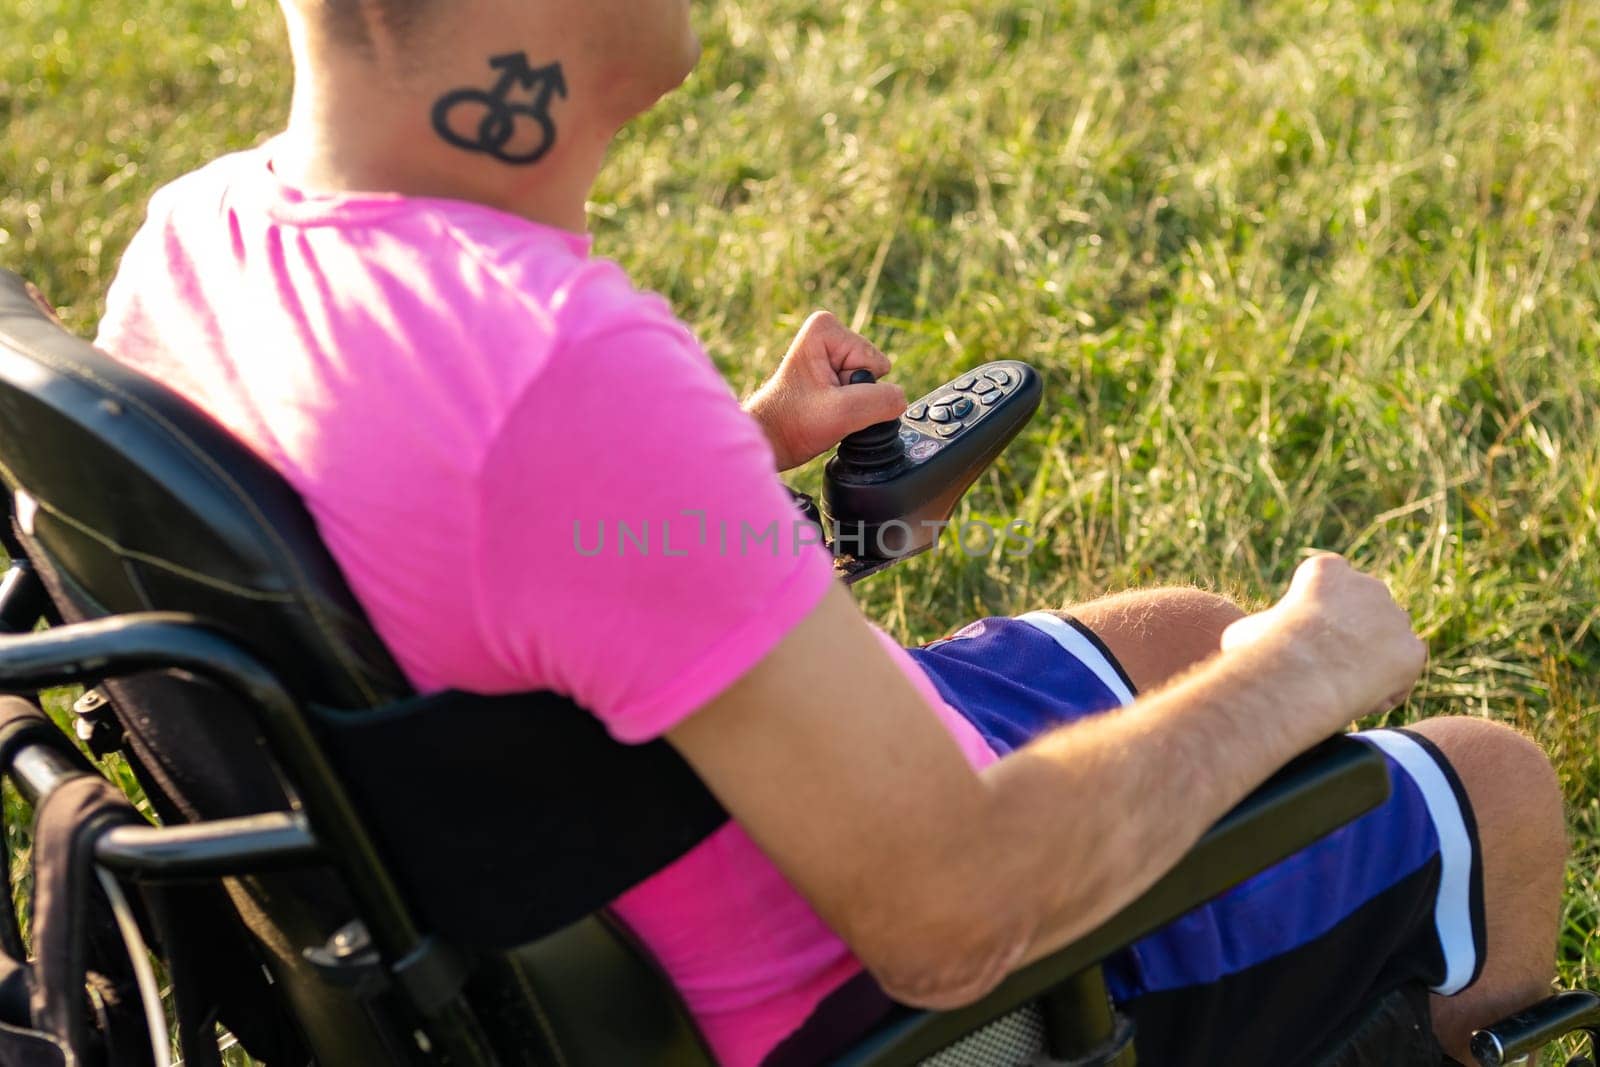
column 394, row 304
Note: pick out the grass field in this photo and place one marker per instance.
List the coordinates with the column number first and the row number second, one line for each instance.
column 1299, row 273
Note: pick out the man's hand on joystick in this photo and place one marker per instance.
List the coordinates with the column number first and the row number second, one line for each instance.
column 814, row 401
column 878, row 445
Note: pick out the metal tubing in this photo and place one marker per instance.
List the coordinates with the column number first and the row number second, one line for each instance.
column 40, row 769
column 215, row 849
column 22, row 598
column 1082, row 1025
column 121, row 645
column 1530, row 1030
column 1078, row 1016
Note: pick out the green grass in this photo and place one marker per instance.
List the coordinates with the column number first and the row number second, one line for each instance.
column 1303, row 273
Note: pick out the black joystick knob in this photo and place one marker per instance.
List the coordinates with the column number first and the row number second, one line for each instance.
column 876, row 446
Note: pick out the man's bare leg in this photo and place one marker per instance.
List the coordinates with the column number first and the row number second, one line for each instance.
column 1158, row 634
column 1522, row 837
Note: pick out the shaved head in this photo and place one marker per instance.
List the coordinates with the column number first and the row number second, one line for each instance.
column 360, row 21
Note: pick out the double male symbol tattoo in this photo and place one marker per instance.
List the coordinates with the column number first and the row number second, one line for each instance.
column 517, row 132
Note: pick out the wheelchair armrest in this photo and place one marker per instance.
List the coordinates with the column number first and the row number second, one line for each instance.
column 1326, row 788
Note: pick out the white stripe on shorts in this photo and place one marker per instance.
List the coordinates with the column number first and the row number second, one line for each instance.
column 1080, row 648
column 1452, row 911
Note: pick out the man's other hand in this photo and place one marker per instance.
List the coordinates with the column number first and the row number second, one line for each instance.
column 807, row 406
column 1347, row 630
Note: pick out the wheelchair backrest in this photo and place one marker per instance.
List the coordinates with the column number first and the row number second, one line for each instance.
column 128, row 499
column 141, row 500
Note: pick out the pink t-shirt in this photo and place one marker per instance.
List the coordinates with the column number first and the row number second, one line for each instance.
column 533, row 478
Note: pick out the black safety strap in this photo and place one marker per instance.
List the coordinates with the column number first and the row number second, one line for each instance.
column 22, row 1047
column 75, row 937
column 10, row 929
column 20, row 1044
column 197, row 1012
column 551, row 815
column 844, row 1017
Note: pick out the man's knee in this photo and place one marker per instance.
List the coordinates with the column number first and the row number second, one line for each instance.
column 1515, row 794
column 1158, row 634
column 1496, row 760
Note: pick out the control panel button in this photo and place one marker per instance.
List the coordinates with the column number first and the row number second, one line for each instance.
column 916, row 412
column 939, row 414
column 961, row 408
column 999, row 375
column 965, row 383
column 949, row 431
column 991, row 398
column 985, row 385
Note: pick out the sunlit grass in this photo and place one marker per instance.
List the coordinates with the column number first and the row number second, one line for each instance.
column 1306, row 273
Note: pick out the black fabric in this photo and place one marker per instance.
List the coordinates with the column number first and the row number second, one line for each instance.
column 1395, row 1031
column 75, row 937
column 1280, row 1012
column 16, row 991
column 507, row 818
column 175, row 912
column 844, row 1017
column 22, row 722
column 198, row 755
column 22, row 1047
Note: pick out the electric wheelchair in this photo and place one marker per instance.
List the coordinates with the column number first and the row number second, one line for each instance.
column 341, row 872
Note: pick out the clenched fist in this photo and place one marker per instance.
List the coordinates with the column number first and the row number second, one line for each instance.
column 807, row 407
column 1345, row 628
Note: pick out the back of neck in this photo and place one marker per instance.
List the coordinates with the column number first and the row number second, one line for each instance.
column 504, row 134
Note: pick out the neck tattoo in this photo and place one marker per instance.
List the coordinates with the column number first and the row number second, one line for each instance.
column 509, row 121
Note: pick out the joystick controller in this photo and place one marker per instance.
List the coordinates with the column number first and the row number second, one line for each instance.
column 876, row 447
column 890, row 488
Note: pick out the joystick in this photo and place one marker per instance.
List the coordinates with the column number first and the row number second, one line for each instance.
column 875, row 447
column 891, row 487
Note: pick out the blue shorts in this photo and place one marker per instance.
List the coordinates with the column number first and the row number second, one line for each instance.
column 1393, row 899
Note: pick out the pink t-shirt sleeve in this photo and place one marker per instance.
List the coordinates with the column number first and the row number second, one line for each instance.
column 667, row 559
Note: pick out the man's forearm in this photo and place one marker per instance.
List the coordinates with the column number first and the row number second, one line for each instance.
column 1124, row 796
